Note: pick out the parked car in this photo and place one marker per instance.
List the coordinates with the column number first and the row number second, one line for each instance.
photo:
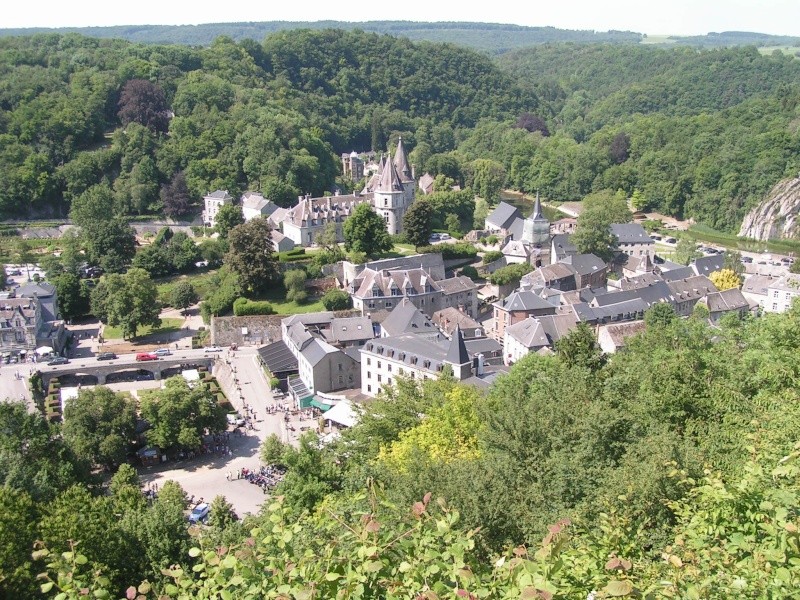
column 162, row 352
column 444, row 236
column 434, row 237
column 106, row 356
column 747, row 259
column 199, row 513
column 214, row 348
column 235, row 419
column 58, row 360
column 146, row 356
column 671, row 240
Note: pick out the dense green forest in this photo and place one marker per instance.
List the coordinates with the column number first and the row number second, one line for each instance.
column 700, row 133
column 490, row 37
column 666, row 471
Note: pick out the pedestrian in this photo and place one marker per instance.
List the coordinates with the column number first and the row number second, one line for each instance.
column 228, row 475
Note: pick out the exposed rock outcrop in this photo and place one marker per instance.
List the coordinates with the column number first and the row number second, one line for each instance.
column 775, row 217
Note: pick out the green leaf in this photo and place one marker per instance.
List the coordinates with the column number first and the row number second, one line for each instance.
column 194, row 552
column 331, row 576
column 619, row 588
column 373, row 566
column 46, row 587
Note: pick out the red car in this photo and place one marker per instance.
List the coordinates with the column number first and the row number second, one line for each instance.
column 146, row 356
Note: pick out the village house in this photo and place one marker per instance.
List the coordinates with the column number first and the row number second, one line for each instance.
column 501, row 219
column 633, row 240
column 212, row 203
column 515, row 308
column 254, row 205
column 449, row 318
column 756, row 288
column 590, row 270
column 725, row 302
column 406, row 318
column 781, row 293
column 415, row 356
column 535, row 334
column 612, row 338
column 28, row 320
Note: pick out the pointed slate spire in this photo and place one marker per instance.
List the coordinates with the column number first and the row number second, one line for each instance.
column 401, row 162
column 389, row 181
column 457, row 352
column 536, row 215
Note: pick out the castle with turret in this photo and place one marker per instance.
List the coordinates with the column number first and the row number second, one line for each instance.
column 390, row 191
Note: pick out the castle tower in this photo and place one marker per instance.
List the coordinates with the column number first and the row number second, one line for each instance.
column 389, row 199
column 405, row 172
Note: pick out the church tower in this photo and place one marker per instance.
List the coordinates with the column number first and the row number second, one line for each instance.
column 536, row 229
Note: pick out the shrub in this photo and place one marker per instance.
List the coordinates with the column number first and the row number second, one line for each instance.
column 491, row 240
column 335, row 299
column 471, row 272
column 243, row 307
column 510, row 274
column 491, row 256
column 451, row 251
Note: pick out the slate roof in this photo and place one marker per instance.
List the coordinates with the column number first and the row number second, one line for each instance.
column 503, row 215
column 708, row 264
column 349, row 329
column 315, row 318
column 523, row 301
column 516, row 248
column 278, row 357
column 585, row 264
column 39, row 290
column 630, row 233
column 316, row 350
column 411, row 349
column 757, row 284
column 449, row 317
column 516, row 228
column 638, row 281
column 390, row 180
column 455, row 285
column 679, row 273
column 528, row 332
column 563, row 246
column 220, row 194
column 457, row 352
column 256, row 201
column 401, row 162
column 483, row 346
column 324, row 209
column 691, row 288
column 787, row 283
column 406, row 318
column 619, row 332
column 726, row 300
column 407, row 282
column 557, row 326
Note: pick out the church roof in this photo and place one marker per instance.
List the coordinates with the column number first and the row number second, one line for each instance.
column 536, row 215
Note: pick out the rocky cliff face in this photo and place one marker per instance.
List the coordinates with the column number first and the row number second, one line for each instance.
column 776, row 217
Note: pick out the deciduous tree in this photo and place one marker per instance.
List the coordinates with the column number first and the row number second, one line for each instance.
column 365, row 231
column 250, row 255
column 143, row 102
column 417, row 225
column 725, row 279
column 100, row 426
column 228, row 217
column 183, row 295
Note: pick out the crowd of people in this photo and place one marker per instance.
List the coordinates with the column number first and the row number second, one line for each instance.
column 266, row 477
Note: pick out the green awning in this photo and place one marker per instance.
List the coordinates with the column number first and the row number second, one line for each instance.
column 323, row 406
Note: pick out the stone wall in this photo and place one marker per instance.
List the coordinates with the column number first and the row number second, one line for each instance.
column 261, row 330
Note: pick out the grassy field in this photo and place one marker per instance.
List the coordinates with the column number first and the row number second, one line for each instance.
column 790, row 50
column 167, row 326
column 277, row 298
column 201, row 282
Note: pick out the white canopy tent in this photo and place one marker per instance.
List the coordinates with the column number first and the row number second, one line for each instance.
column 42, row 350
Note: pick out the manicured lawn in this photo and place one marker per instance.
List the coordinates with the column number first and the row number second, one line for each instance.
column 277, row 298
column 404, row 248
column 167, row 326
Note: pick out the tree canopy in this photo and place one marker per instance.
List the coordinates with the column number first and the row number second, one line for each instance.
column 365, row 231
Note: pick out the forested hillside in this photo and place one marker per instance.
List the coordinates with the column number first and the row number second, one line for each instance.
column 79, row 111
column 701, row 134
